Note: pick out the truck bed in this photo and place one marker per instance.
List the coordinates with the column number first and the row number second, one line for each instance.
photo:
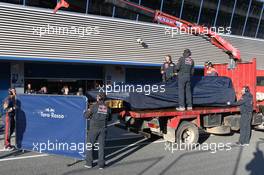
column 171, row 112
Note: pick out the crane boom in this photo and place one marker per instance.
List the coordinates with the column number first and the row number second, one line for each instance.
column 173, row 21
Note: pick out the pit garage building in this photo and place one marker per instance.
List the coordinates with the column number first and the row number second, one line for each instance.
column 108, row 53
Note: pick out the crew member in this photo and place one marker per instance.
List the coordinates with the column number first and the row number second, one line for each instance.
column 43, row 90
column 98, row 114
column 167, row 69
column 246, row 109
column 211, row 71
column 185, row 68
column 29, row 89
column 65, row 90
column 9, row 107
column 80, row 92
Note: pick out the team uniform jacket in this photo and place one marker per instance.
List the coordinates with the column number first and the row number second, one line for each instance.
column 99, row 114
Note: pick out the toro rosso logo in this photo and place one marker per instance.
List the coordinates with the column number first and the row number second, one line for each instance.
column 50, row 113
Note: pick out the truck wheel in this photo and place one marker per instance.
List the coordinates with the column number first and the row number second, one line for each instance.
column 187, row 132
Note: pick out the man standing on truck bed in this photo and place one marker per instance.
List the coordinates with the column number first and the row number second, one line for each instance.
column 246, row 109
column 185, row 68
column 98, row 114
column 167, row 69
column 211, row 71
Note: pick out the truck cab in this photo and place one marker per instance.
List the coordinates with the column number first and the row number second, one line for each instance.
column 260, row 88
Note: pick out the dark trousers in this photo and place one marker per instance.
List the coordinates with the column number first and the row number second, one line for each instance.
column 184, row 86
column 9, row 128
column 96, row 136
column 166, row 78
column 245, row 128
column 163, row 78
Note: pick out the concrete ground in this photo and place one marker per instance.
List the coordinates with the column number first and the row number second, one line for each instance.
column 128, row 153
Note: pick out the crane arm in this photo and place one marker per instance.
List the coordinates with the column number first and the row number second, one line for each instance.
column 173, row 21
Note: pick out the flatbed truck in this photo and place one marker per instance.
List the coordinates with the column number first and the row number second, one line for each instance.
column 184, row 126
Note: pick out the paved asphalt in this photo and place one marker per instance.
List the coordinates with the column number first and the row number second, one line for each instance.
column 131, row 154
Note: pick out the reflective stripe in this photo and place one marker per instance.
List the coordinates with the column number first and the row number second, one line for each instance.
column 7, row 130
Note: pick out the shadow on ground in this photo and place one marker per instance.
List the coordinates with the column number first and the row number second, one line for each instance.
column 256, row 165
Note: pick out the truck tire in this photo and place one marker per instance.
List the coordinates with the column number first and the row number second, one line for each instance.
column 187, row 133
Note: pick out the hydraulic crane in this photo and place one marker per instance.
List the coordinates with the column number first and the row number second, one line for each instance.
column 173, row 21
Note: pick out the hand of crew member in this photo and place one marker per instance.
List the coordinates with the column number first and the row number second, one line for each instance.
column 11, row 109
column 5, row 106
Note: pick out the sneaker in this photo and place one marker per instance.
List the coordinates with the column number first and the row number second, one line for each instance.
column 237, row 144
column 245, row 144
column 102, row 167
column 8, row 148
column 87, row 166
column 189, row 108
column 180, row 109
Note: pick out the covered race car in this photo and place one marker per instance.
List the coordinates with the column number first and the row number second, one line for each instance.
column 207, row 91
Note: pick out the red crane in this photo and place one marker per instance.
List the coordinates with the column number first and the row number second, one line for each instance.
column 60, row 4
column 182, row 25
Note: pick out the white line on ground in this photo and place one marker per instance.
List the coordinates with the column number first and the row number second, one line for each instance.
column 159, row 141
column 138, row 143
column 24, row 157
